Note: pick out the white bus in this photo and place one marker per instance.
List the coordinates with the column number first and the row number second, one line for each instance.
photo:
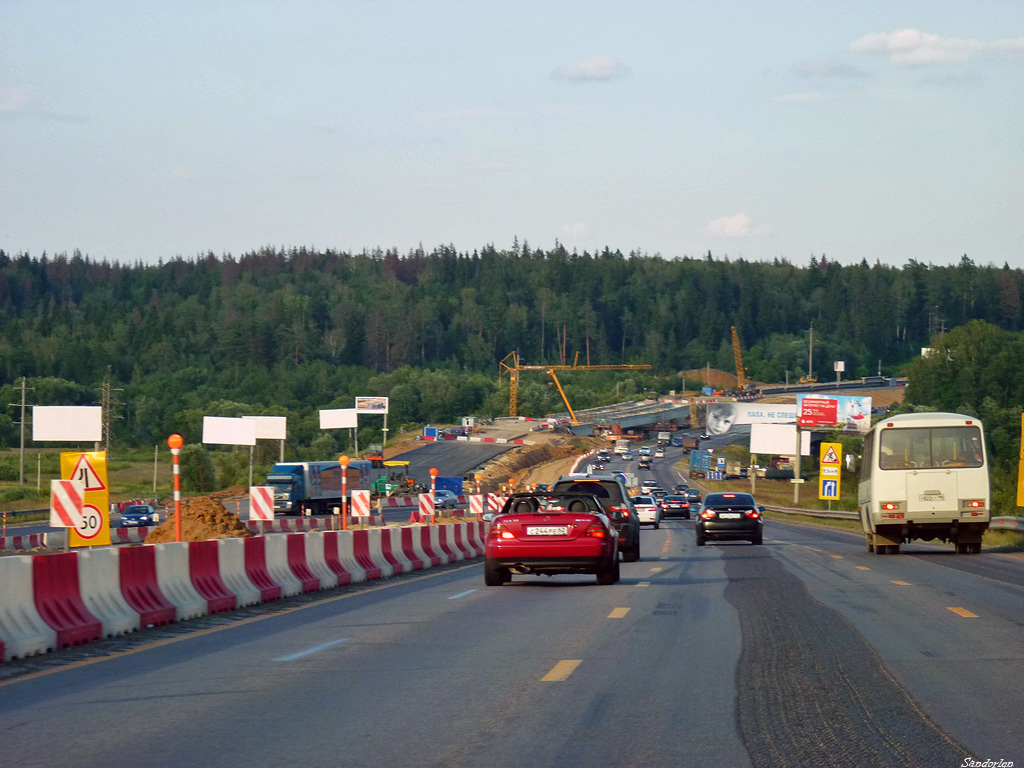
column 924, row 476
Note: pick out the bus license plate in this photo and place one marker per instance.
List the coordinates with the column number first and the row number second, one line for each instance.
column 547, row 530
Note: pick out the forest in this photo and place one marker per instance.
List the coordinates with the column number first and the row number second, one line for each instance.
column 290, row 331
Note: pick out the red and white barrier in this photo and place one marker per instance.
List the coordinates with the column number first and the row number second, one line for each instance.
column 22, row 630
column 392, row 542
column 316, row 559
column 135, row 535
column 426, row 509
column 231, row 553
column 476, row 505
column 25, row 542
column 277, row 565
column 261, row 502
column 360, row 503
column 175, row 580
column 100, row 581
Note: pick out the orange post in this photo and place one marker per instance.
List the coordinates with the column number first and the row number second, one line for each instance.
column 174, row 442
column 479, row 479
column 433, row 495
column 344, row 460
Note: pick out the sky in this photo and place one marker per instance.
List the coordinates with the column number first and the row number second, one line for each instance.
column 147, row 130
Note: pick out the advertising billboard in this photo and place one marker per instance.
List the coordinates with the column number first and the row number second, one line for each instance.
column 721, row 416
column 849, row 413
column 372, row 404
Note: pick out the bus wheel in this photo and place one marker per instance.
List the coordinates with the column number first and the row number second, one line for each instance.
column 871, row 546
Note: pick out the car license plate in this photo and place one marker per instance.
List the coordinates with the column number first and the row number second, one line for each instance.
column 547, row 530
column 730, row 515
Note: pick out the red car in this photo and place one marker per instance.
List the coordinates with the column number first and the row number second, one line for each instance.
column 551, row 534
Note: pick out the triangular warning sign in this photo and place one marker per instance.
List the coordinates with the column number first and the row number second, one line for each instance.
column 830, row 456
column 84, row 472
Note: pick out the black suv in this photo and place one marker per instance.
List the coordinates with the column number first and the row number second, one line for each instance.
column 729, row 516
column 611, row 492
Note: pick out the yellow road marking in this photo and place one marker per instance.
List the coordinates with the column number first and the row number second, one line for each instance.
column 655, row 570
column 963, row 612
column 815, row 549
column 862, row 568
column 618, row 613
column 902, row 583
column 838, row 557
column 644, row 584
column 211, row 630
column 561, row 671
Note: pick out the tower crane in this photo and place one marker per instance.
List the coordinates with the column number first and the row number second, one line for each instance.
column 737, row 353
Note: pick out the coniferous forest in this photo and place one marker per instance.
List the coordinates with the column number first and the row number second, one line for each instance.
column 288, row 332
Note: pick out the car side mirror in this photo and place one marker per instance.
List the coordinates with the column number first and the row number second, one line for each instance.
column 760, row 508
column 488, row 517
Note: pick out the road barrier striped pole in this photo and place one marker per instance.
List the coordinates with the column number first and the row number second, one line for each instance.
column 344, row 460
column 174, row 442
column 433, row 495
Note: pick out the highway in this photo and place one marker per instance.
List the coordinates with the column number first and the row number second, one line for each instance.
column 806, row 651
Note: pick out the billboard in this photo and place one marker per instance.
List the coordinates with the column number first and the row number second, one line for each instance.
column 67, row 423
column 372, row 404
column 721, row 416
column 849, row 413
column 339, row 418
column 223, row 430
column 778, row 440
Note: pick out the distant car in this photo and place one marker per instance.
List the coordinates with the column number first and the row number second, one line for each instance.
column 644, row 463
column 648, row 509
column 693, row 496
column 729, row 516
column 551, row 534
column 659, row 453
column 445, row 499
column 676, row 442
column 604, row 456
column 645, row 451
column 611, row 491
column 647, row 486
column 597, row 466
column 673, row 505
column 628, row 456
column 704, row 436
column 658, row 493
column 680, row 487
column 139, row 514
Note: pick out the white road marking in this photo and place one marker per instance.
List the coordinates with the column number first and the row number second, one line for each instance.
column 310, row 651
column 462, row 594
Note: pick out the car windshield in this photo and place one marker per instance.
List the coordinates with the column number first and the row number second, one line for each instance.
column 602, row 489
column 729, row 501
column 136, row 510
column 678, row 499
column 577, row 503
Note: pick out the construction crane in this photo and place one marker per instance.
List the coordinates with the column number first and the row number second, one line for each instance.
column 737, row 353
column 572, row 413
column 510, row 364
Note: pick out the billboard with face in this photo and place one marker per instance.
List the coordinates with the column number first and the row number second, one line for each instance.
column 721, row 416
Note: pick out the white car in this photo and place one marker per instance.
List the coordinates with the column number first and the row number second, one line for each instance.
column 648, row 510
column 660, row 454
column 444, row 499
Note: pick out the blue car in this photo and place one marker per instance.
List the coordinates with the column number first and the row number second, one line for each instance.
column 138, row 515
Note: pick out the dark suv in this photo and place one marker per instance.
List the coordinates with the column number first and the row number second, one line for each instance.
column 729, row 516
column 611, row 492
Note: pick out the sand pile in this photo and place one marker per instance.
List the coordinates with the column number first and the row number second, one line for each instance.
column 202, row 518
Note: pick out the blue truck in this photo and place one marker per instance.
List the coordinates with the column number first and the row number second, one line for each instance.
column 700, row 463
column 314, row 487
column 453, row 484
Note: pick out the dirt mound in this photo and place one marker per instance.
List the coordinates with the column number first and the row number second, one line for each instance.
column 202, row 518
column 230, row 493
column 521, row 462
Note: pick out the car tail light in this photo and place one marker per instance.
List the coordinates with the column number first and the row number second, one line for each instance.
column 752, row 513
column 624, row 511
column 499, row 531
column 595, row 530
column 707, row 514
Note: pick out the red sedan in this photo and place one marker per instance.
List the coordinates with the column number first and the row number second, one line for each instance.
column 551, row 534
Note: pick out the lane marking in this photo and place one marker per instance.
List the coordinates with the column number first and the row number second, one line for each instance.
column 655, row 570
column 902, row 583
column 221, row 628
column 561, row 671
column 618, row 613
column 963, row 612
column 837, row 557
column 644, row 584
column 815, row 549
column 462, row 594
column 310, row 651
column 862, row 568
column 663, row 557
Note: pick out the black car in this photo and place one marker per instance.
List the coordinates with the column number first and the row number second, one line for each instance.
column 693, row 496
column 139, row 514
column 729, row 516
column 644, row 463
column 680, row 488
column 611, row 491
column 673, row 505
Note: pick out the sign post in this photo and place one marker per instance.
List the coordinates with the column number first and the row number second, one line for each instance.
column 830, row 474
column 1020, row 467
column 433, row 495
column 343, row 460
column 174, row 442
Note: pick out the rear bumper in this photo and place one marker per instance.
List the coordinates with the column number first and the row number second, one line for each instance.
column 553, row 564
column 739, row 529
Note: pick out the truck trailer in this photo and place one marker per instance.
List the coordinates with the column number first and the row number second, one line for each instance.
column 314, row 487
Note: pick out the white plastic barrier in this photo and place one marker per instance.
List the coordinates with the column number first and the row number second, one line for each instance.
column 175, row 580
column 453, row 542
column 476, row 532
column 316, row 561
column 435, row 544
column 346, row 555
column 231, row 560
column 99, row 579
column 22, row 629
column 396, row 549
column 374, row 536
column 277, row 564
column 417, row 546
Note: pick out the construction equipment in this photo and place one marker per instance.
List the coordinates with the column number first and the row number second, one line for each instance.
column 737, row 353
column 572, row 413
column 513, row 368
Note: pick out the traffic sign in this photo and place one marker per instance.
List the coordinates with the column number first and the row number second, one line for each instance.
column 360, row 503
column 89, row 468
column 85, row 472
column 830, row 476
column 261, row 502
column 67, row 502
column 829, row 489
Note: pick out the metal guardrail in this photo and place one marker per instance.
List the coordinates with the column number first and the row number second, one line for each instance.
column 1008, row 523
column 25, row 512
column 836, row 514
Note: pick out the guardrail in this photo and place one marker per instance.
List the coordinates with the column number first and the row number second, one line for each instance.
column 1007, row 523
column 836, row 514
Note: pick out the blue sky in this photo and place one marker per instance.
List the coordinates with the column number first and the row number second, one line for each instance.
column 136, row 131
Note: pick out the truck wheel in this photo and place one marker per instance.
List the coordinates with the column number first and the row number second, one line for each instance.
column 871, row 546
column 975, row 548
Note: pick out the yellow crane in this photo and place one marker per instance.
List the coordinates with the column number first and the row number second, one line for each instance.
column 572, row 413
column 510, row 364
column 737, row 354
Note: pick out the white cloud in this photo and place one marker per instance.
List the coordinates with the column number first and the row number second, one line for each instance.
column 592, row 68
column 575, row 230
column 737, row 225
column 798, row 98
column 15, row 99
column 912, row 46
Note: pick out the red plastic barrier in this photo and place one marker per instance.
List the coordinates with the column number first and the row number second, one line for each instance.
column 137, row 567
column 204, row 569
column 59, row 600
column 389, row 556
column 361, row 550
column 409, row 551
column 447, row 547
column 331, row 558
column 461, row 542
column 428, row 548
column 256, row 568
column 297, row 563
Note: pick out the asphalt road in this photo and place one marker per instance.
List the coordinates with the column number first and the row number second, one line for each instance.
column 806, row 651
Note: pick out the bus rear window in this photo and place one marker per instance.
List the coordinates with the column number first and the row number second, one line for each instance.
column 930, row 448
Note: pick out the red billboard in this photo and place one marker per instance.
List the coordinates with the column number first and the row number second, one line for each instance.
column 818, row 412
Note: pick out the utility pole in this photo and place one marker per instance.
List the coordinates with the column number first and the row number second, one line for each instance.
column 21, row 459
column 106, row 403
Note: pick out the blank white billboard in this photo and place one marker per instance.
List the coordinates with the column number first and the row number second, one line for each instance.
column 778, row 440
column 222, row 430
column 270, row 427
column 339, row 418
column 67, row 423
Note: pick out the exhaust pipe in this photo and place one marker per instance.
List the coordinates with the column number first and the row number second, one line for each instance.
column 519, row 568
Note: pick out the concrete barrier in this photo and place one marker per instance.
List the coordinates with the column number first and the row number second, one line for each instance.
column 361, row 551
column 386, row 565
column 391, row 542
column 100, row 581
column 58, row 597
column 347, row 556
column 410, row 549
column 297, row 562
column 277, row 564
column 22, row 630
column 431, row 557
column 332, row 557
column 175, row 580
column 256, row 568
column 446, row 539
column 137, row 578
column 316, row 559
column 435, row 545
column 231, row 560
column 460, row 531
